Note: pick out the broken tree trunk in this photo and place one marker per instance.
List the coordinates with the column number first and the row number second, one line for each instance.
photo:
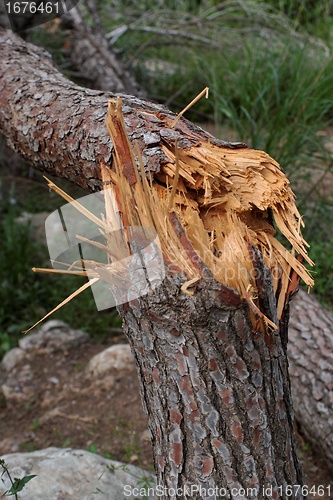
column 50, row 110
column 210, row 342
column 210, row 345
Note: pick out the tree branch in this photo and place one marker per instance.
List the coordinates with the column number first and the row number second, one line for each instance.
column 59, row 127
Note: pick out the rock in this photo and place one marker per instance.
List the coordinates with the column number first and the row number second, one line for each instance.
column 117, row 357
column 53, row 336
column 12, row 358
column 64, row 474
column 19, row 385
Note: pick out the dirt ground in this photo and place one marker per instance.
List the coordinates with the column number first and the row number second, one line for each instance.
column 62, row 407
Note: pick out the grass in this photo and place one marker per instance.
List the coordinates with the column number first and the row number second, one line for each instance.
column 321, row 252
column 270, row 83
column 17, row 484
column 309, row 13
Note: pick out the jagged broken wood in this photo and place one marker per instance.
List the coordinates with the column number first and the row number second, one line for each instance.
column 221, row 200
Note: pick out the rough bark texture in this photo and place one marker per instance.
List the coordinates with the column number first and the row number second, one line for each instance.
column 59, row 127
column 310, row 353
column 218, row 393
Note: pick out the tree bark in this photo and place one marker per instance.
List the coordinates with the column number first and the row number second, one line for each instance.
column 59, row 127
column 216, row 390
column 218, row 397
column 310, row 353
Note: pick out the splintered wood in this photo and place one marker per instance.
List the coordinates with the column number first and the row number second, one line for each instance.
column 224, row 200
column 211, row 207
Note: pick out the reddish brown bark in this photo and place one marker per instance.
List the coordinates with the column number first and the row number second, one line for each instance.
column 59, row 127
column 217, row 393
column 310, row 353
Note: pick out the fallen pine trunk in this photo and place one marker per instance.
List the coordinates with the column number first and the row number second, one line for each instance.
column 210, row 345
column 91, row 58
column 310, row 354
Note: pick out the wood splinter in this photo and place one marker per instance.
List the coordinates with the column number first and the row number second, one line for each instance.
column 209, row 205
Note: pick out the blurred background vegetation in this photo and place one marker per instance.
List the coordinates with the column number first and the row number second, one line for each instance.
column 269, row 67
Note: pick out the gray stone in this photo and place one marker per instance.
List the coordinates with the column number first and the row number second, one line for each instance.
column 18, row 385
column 12, row 358
column 66, row 474
column 53, row 336
column 117, row 357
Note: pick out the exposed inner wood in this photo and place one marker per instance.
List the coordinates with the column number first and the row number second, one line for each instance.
column 208, row 204
column 224, row 198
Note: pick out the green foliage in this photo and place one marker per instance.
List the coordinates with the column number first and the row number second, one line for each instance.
column 66, row 443
column 305, row 12
column 306, row 447
column 35, row 424
column 17, row 484
column 29, row 446
column 92, row 448
column 275, row 100
column 321, row 253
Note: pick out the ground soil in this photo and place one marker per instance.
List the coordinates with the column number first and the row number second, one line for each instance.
column 59, row 404
column 62, row 407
